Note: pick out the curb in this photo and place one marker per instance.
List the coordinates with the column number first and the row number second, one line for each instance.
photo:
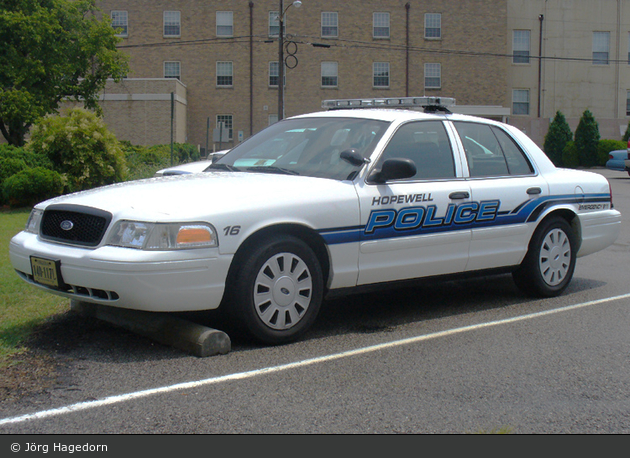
column 165, row 328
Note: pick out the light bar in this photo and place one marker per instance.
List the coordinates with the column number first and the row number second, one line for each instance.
column 392, row 102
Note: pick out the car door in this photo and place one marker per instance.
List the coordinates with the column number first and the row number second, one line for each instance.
column 418, row 226
column 504, row 183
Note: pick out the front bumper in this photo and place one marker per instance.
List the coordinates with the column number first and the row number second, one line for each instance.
column 166, row 281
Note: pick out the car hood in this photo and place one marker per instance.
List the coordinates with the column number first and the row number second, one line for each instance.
column 187, row 196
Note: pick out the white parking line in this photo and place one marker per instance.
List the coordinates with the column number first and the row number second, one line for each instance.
column 307, row 362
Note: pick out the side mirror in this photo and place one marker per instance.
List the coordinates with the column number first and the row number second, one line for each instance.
column 394, row 169
column 353, row 157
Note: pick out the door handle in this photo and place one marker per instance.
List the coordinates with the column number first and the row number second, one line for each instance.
column 458, row 195
column 534, row 191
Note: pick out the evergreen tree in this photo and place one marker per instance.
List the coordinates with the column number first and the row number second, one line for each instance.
column 626, row 135
column 558, row 135
column 586, row 139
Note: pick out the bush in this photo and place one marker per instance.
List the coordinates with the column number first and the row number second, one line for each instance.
column 144, row 161
column 13, row 160
column 558, row 135
column 30, row 186
column 626, row 135
column 81, row 149
column 606, row 146
column 586, row 139
column 570, row 156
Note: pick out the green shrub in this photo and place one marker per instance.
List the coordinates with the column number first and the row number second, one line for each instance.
column 606, row 146
column 570, row 156
column 30, row 158
column 558, row 135
column 30, row 186
column 81, row 149
column 626, row 135
column 586, row 139
column 144, row 161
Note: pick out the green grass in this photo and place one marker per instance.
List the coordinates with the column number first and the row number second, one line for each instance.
column 22, row 306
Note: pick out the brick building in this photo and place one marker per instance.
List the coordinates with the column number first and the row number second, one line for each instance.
column 225, row 53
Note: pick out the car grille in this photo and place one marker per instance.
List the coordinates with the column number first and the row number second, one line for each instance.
column 74, row 225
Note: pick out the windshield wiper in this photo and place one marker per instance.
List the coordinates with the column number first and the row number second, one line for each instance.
column 272, row 169
column 229, row 168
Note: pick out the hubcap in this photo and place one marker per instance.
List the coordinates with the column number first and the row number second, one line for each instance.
column 282, row 292
column 555, row 257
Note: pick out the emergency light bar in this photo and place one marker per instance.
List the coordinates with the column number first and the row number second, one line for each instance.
column 429, row 103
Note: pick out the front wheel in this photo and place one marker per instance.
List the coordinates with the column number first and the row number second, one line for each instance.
column 550, row 260
column 278, row 290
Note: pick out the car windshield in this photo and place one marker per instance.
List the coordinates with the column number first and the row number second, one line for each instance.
column 307, row 147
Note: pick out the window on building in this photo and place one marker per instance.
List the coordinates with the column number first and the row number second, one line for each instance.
column 520, row 101
column 272, row 119
column 380, row 74
column 432, row 76
column 225, row 24
column 329, row 74
column 330, row 24
column 224, row 73
column 172, row 25
column 433, row 25
column 274, row 24
column 172, row 70
column 628, row 48
column 380, row 25
column 274, row 73
column 520, row 46
column 627, row 103
column 601, row 47
column 120, row 23
column 227, row 124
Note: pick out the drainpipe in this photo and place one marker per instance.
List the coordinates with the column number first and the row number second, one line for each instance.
column 251, row 68
column 540, row 40
column 407, row 6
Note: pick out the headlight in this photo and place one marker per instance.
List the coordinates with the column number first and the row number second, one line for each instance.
column 162, row 236
column 34, row 219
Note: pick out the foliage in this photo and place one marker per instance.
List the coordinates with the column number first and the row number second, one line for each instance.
column 144, row 161
column 558, row 135
column 586, row 139
column 14, row 160
column 626, row 135
column 81, row 148
column 30, row 186
column 606, row 146
column 52, row 50
column 570, row 156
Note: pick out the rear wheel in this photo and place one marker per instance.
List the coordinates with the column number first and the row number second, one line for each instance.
column 278, row 290
column 549, row 263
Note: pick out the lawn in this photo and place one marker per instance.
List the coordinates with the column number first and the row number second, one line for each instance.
column 22, row 306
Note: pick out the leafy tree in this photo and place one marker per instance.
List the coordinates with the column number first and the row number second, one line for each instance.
column 558, row 135
column 81, row 149
column 586, row 139
column 52, row 50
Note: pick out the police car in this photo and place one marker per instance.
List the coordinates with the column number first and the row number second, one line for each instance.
column 366, row 192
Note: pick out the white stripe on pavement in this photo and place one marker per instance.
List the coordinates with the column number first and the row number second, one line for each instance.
column 283, row 367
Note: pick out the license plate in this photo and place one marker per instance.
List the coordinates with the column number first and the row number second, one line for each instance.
column 46, row 271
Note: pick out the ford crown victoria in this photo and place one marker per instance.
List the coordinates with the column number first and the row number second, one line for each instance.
column 364, row 193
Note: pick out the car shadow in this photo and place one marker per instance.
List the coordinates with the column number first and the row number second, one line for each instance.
column 75, row 336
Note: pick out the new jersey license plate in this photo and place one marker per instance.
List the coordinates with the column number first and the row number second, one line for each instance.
column 46, row 271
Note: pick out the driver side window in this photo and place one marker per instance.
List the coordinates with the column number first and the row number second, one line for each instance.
column 426, row 144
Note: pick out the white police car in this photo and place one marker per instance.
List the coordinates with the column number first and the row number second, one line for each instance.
column 362, row 194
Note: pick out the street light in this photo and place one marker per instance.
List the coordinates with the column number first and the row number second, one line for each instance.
column 282, row 12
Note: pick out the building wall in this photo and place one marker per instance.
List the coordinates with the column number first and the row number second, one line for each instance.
column 139, row 110
column 477, row 78
column 570, row 82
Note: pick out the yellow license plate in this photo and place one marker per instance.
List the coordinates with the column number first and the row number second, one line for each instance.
column 46, row 272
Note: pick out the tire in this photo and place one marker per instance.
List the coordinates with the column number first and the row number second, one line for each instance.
column 278, row 290
column 549, row 263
